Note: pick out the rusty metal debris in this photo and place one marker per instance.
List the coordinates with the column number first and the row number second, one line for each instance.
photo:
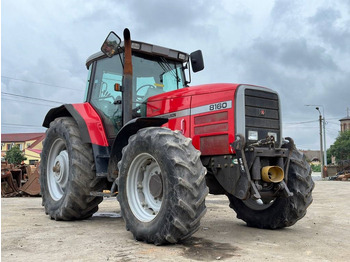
column 341, row 176
column 343, row 169
column 20, row 180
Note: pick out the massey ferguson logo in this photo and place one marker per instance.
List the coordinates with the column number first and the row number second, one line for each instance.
column 262, row 112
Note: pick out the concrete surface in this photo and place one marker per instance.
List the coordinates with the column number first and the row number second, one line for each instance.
column 27, row 234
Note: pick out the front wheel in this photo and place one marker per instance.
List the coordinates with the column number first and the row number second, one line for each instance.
column 161, row 186
column 280, row 212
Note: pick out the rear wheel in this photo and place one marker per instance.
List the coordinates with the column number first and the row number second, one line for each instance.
column 280, row 212
column 67, row 175
column 161, row 186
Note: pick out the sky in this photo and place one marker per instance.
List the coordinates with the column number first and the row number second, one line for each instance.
column 299, row 48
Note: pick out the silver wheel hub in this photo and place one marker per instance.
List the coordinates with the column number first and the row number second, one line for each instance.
column 61, row 167
column 144, row 185
column 57, row 169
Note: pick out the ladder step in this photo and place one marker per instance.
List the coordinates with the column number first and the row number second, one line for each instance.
column 105, row 193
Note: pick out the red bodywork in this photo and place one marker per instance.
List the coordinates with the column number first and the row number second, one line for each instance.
column 93, row 122
column 204, row 113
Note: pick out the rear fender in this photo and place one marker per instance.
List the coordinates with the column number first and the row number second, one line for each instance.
column 91, row 130
column 122, row 138
column 89, row 122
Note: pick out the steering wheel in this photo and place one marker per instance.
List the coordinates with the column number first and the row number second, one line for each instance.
column 105, row 97
column 139, row 98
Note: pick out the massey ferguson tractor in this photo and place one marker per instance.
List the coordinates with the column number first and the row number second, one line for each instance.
column 144, row 135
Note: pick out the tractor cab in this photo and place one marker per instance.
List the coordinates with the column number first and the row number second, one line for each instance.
column 155, row 70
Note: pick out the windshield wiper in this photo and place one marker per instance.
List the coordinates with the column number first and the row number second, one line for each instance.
column 167, row 68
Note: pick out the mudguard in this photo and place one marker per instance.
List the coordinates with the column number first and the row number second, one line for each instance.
column 89, row 122
column 92, row 131
column 122, row 140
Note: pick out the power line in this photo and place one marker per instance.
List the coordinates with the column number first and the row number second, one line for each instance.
column 38, row 83
column 333, row 118
column 333, row 123
column 29, row 102
column 299, row 123
column 298, row 126
column 30, row 97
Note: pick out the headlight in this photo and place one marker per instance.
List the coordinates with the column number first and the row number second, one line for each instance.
column 135, row 45
column 182, row 56
column 252, row 135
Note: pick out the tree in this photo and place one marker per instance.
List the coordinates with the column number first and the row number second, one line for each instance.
column 341, row 147
column 15, row 156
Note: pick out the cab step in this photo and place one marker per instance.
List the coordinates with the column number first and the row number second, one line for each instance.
column 104, row 193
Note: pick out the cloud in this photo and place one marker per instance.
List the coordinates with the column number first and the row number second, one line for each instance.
column 330, row 26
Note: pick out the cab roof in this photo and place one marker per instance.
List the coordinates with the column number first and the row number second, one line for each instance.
column 141, row 47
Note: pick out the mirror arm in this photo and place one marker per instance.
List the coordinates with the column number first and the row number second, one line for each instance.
column 188, row 66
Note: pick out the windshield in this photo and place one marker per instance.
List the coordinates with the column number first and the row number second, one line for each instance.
column 155, row 75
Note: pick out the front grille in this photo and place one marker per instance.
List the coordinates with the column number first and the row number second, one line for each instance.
column 262, row 113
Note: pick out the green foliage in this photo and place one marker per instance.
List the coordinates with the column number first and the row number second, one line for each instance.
column 341, row 147
column 316, row 168
column 15, row 156
column 329, row 157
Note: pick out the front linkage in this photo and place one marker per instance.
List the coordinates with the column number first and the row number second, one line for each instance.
column 261, row 164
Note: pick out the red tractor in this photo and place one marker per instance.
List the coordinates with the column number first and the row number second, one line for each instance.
column 160, row 146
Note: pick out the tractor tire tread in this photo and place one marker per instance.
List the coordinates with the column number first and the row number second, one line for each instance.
column 188, row 189
column 283, row 212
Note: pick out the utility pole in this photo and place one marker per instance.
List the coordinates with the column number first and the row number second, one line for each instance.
column 321, row 143
column 324, row 148
column 324, row 140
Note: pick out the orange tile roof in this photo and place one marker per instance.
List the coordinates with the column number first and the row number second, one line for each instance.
column 38, row 151
column 20, row 137
column 38, row 140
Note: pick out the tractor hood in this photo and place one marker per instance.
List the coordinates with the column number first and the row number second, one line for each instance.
column 199, row 90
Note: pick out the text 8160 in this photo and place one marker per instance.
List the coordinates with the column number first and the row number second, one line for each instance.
column 218, row 106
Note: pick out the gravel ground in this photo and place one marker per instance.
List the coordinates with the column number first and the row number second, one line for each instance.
column 27, row 234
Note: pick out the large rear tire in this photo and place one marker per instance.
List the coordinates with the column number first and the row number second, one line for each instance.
column 281, row 212
column 67, row 175
column 161, row 186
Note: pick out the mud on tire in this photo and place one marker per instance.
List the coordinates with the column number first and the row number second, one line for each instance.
column 283, row 212
column 67, row 175
column 161, row 186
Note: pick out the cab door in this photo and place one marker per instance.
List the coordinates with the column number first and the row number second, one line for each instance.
column 106, row 73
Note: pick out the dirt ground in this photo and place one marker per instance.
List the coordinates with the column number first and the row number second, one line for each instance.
column 27, row 234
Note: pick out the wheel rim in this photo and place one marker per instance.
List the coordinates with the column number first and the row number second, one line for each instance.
column 258, row 204
column 144, row 185
column 57, row 169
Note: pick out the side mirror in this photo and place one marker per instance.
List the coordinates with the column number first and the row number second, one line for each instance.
column 197, row 61
column 111, row 44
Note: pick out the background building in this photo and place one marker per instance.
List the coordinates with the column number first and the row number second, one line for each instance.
column 312, row 156
column 30, row 143
column 345, row 123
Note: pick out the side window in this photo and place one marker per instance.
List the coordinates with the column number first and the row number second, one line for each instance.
column 104, row 98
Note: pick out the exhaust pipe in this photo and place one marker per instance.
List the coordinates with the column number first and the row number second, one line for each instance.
column 272, row 174
column 127, row 78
